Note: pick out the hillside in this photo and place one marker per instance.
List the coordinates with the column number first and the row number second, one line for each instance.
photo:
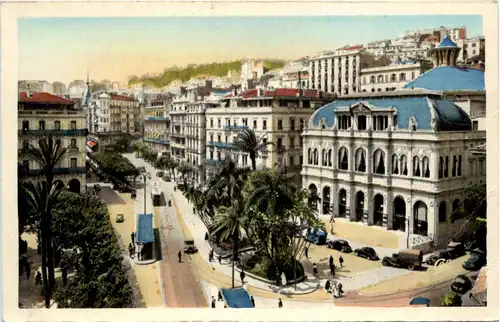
column 186, row 73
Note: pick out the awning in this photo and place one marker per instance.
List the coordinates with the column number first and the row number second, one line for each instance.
column 144, row 231
column 236, row 297
column 91, row 143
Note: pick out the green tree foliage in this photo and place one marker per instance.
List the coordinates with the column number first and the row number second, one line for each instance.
column 249, row 142
column 81, row 223
column 116, row 165
column 186, row 73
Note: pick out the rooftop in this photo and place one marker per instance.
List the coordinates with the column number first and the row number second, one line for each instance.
column 447, row 42
column 449, row 78
column 43, row 98
column 277, row 93
column 122, row 98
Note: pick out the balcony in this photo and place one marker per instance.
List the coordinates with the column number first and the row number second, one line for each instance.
column 214, row 162
column 192, row 136
column 157, row 118
column 235, row 127
column 221, row 145
column 159, row 141
column 178, row 135
column 41, row 133
column 39, row 172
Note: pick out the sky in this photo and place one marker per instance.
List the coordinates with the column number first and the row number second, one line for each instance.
column 62, row 49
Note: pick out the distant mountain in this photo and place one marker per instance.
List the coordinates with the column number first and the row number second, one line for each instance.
column 186, row 73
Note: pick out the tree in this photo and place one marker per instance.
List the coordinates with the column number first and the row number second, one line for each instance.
column 48, row 156
column 138, row 147
column 122, row 144
column 116, row 165
column 184, row 169
column 248, row 142
column 41, row 199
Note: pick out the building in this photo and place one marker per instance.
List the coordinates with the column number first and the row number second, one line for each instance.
column 157, row 123
column 474, row 49
column 339, row 71
column 42, row 114
column 391, row 77
column 40, row 86
column 401, row 159
column 296, row 75
column 277, row 116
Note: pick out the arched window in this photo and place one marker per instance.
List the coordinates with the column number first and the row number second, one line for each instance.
column 330, row 152
column 442, row 211
column 402, row 77
column 343, row 159
column 395, row 167
column 425, row 167
column 454, row 166
column 459, row 166
column 379, row 162
column 404, row 165
column 372, row 79
column 309, row 156
column 323, row 158
column 441, row 167
column 455, row 208
column 446, row 165
column 316, row 157
column 416, row 166
column 41, row 125
column 57, row 125
column 360, row 160
column 380, row 79
column 393, row 77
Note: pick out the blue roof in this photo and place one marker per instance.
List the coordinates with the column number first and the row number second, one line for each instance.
column 144, row 233
column 236, row 297
column 450, row 116
column 449, row 78
column 447, row 42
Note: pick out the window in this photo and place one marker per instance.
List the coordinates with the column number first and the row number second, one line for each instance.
column 343, row 161
column 301, row 159
column 73, row 125
column 459, row 166
column 280, row 125
column 315, row 157
column 218, row 156
column 416, row 166
column 361, row 122
column 264, row 124
column 475, row 125
column 301, row 124
column 26, row 125
column 454, row 166
column 245, row 122
column 26, row 144
column 379, row 163
column 393, row 77
column 446, row 164
column 324, row 160
column 344, row 122
column 402, row 77
column 330, row 152
column 292, row 124
column 442, row 211
column 73, row 162
column 57, row 125
column 218, row 138
column 226, row 139
column 425, row 167
column 41, row 125
column 219, row 123
column 211, row 137
column 395, row 167
column 244, row 160
column 211, row 122
column 73, row 143
column 372, row 79
column 404, row 165
column 279, row 143
column 254, row 124
column 361, row 160
column 292, row 142
column 291, row 161
column 412, row 75
column 309, row 156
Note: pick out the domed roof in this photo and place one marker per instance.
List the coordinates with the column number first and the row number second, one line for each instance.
column 449, row 78
column 447, row 42
column 448, row 116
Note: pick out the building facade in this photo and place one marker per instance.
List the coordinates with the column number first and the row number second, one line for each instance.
column 277, row 116
column 157, row 123
column 42, row 114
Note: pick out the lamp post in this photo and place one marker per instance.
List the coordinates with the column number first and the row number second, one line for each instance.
column 144, row 176
column 408, row 233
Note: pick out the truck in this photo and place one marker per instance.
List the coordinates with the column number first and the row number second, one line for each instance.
column 410, row 259
column 156, row 195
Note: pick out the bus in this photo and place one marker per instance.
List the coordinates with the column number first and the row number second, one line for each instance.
column 156, row 195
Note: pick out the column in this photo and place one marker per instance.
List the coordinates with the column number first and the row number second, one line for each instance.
column 366, row 207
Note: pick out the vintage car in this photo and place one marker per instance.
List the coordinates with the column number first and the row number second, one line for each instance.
column 420, row 301
column 120, row 218
column 316, row 236
column 189, row 247
column 441, row 256
column 366, row 252
column 461, row 285
column 159, row 174
column 410, row 259
column 476, row 260
column 166, row 178
column 340, row 245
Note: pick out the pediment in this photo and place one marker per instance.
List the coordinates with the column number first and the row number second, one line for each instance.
column 361, row 107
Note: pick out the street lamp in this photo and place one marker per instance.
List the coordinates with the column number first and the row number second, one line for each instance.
column 408, row 234
column 144, row 176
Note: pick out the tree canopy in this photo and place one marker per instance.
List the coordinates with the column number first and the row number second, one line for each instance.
column 116, row 165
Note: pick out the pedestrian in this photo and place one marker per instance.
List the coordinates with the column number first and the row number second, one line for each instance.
column 327, row 286
column 331, row 228
column 280, row 304
column 253, row 301
column 28, row 269
column 38, row 278
column 220, row 296
column 340, row 290
column 220, row 260
column 131, row 250
column 341, row 261
column 213, row 302
column 179, row 254
column 306, row 252
column 64, row 273
column 315, row 269
column 211, row 255
column 332, row 269
column 132, row 236
column 330, row 261
column 206, row 236
column 332, row 219
column 242, row 276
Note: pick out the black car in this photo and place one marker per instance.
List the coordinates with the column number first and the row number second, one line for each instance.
column 439, row 257
column 461, row 285
column 476, row 260
column 340, row 245
column 366, row 252
column 189, row 247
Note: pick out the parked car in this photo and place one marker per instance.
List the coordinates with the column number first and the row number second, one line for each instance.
column 120, row 218
column 471, row 245
column 456, row 249
column 476, row 261
column 461, row 285
column 116, row 186
column 366, row 252
column 441, row 256
column 189, row 247
column 340, row 245
column 420, row 301
column 159, row 174
column 410, row 259
column 166, row 178
column 316, row 236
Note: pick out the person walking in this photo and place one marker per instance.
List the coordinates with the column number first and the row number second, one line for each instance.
column 131, row 250
column 213, row 302
column 253, row 300
column 206, row 236
column 179, row 255
column 280, row 304
column 330, row 260
column 211, row 255
column 332, row 219
column 242, row 276
column 327, row 286
column 38, row 278
column 132, row 237
column 306, row 252
column 315, row 270
column 220, row 260
column 341, row 261
column 340, row 290
column 332, row 269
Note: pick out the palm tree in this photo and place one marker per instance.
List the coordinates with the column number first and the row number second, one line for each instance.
column 248, row 142
column 42, row 199
column 48, row 156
